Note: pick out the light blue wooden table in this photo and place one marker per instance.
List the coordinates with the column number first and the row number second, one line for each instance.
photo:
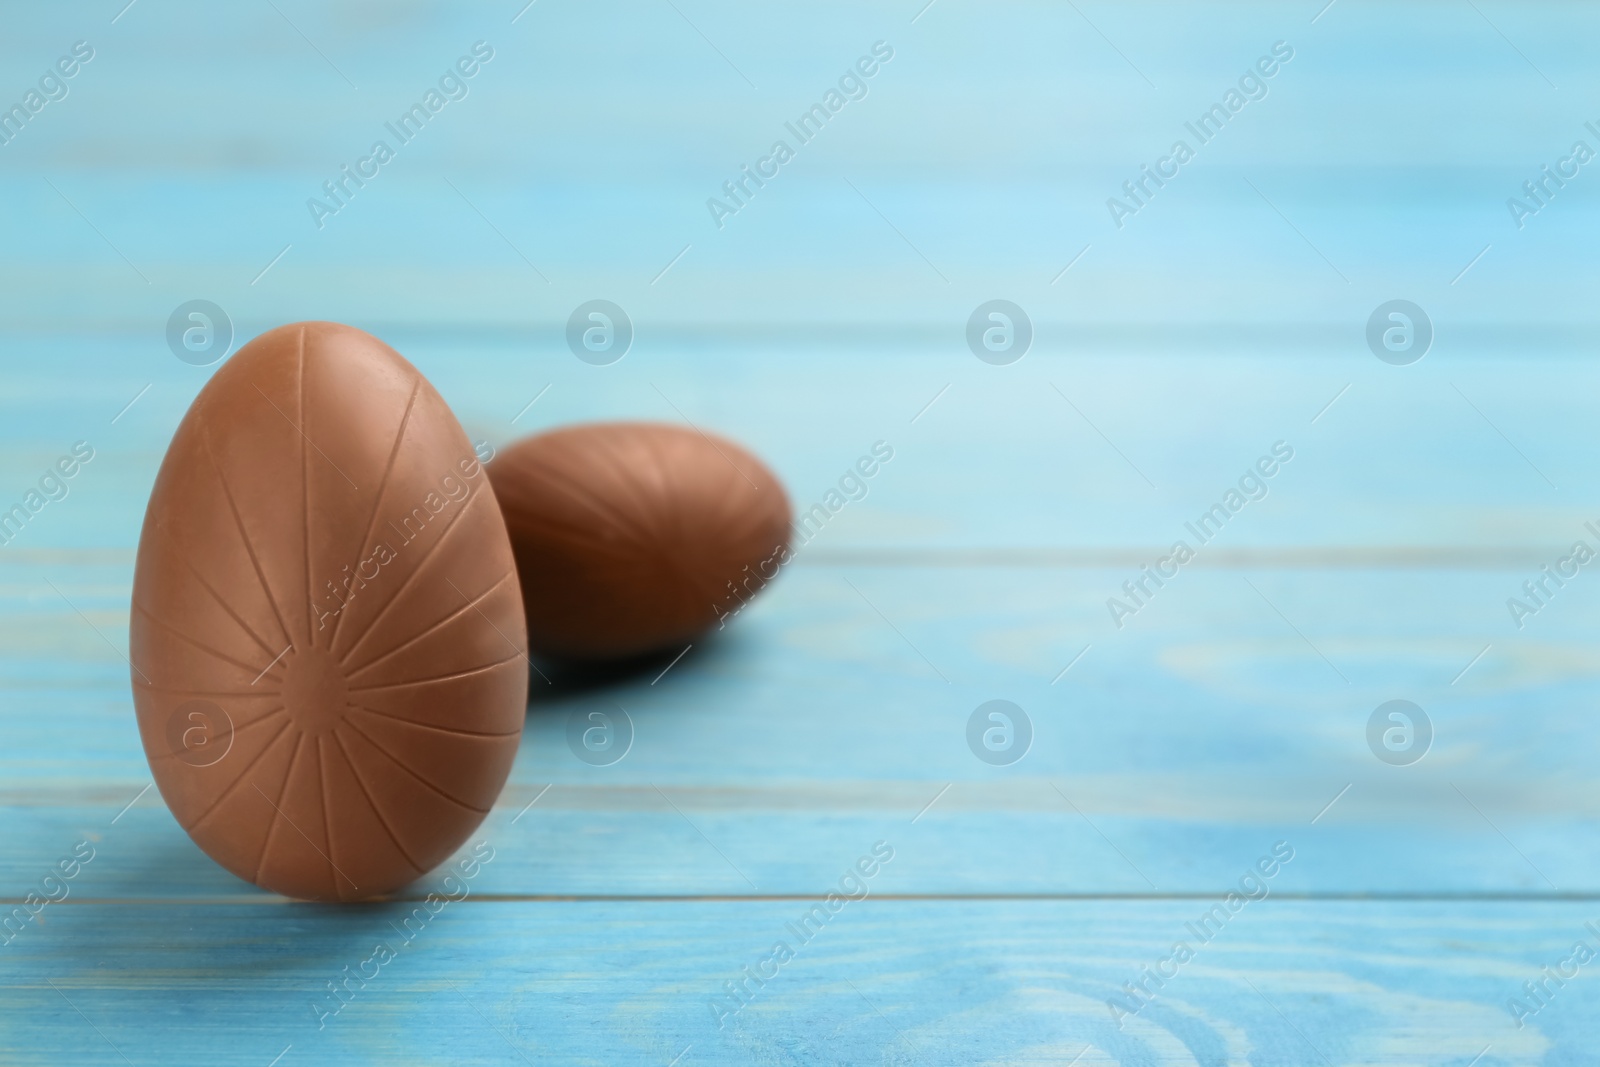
column 1412, row 903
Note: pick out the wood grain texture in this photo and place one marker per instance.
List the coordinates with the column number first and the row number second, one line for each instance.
column 882, row 981
column 1169, row 753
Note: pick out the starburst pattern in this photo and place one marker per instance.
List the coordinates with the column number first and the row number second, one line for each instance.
column 370, row 740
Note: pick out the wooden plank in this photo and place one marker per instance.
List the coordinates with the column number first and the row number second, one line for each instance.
column 884, row 980
column 1094, row 450
column 600, row 173
column 1227, row 714
column 694, row 841
column 1222, row 712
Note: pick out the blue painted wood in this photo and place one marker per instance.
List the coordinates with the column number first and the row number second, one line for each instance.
column 1228, row 713
column 1053, row 451
column 992, row 141
column 883, row 980
column 1207, row 721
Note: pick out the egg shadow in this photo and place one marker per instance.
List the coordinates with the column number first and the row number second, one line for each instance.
column 555, row 683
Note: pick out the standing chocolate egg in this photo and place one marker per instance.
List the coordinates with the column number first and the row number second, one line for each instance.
column 635, row 537
column 326, row 639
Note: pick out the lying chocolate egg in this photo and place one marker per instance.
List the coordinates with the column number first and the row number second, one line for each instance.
column 634, row 537
column 327, row 640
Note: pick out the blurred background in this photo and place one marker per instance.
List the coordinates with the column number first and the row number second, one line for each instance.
column 1178, row 334
column 978, row 166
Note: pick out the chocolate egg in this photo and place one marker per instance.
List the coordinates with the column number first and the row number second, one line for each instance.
column 634, row 537
column 326, row 639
